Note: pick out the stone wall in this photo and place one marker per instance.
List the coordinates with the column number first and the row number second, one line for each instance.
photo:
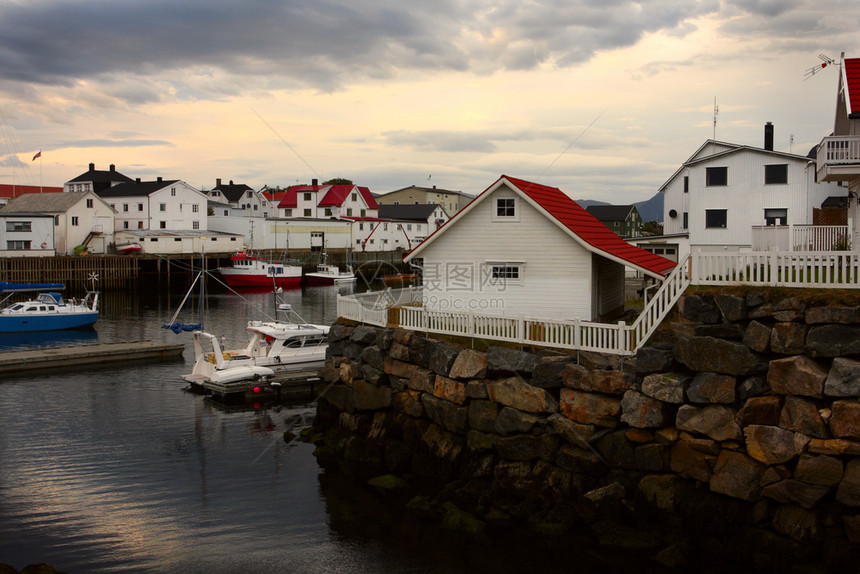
column 738, row 429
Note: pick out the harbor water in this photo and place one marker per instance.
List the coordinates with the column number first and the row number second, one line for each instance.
column 118, row 468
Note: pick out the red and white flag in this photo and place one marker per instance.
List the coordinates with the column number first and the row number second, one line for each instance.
column 37, row 156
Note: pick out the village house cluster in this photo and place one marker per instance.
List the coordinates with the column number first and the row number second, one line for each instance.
column 725, row 197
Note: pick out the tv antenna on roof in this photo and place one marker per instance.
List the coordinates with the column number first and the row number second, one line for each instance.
column 825, row 61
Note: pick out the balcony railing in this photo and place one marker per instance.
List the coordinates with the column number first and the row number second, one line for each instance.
column 835, row 152
column 800, row 237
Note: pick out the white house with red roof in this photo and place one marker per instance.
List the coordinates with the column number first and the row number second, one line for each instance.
column 838, row 155
column 327, row 201
column 524, row 248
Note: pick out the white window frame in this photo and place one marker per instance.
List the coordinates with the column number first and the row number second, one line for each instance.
column 515, row 204
column 503, row 273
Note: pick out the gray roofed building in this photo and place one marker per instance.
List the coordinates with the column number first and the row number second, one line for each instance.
column 409, row 212
column 136, row 188
column 51, row 203
column 622, row 219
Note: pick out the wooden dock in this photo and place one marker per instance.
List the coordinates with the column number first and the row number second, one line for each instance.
column 63, row 357
column 289, row 385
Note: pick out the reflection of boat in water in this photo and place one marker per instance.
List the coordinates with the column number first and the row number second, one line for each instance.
column 49, row 311
column 48, row 339
column 328, row 274
column 250, row 271
column 400, row 278
column 273, row 347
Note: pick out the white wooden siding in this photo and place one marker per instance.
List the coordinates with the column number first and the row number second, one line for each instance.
column 556, row 277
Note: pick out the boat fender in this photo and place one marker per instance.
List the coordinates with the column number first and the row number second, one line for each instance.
column 276, row 358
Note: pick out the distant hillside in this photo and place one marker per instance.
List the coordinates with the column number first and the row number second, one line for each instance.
column 650, row 210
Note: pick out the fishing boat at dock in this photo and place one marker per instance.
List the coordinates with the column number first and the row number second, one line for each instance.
column 49, row 311
column 247, row 270
column 329, row 274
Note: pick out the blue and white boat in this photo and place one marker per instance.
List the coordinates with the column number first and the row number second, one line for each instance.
column 49, row 311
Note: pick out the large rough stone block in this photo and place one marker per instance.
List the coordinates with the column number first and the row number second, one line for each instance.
column 700, row 309
column 712, row 388
column 849, row 487
column 526, row 447
column 691, row 462
column 733, row 308
column 641, row 411
column 761, row 411
column 516, row 393
column 788, row 338
column 713, row 355
column 482, row 415
column 574, row 433
column 449, row 389
column 819, row 469
column 422, row 380
column 398, row 368
column 802, row 415
column 421, row 350
column 737, row 475
column 654, row 359
column 797, row 375
column 715, row 421
column 446, row 414
column 443, row 357
column 837, row 315
column 548, row 371
column 799, row 524
column 374, row 356
column 504, row 361
column 587, row 408
column 408, row 402
column 340, row 397
column 469, row 364
column 845, row 422
column 364, row 335
column 510, row 421
column 833, row 341
column 757, row 337
column 770, row 445
column 370, row 397
column 666, row 387
column 843, row 379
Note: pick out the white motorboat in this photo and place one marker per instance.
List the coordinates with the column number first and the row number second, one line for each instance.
column 328, row 274
column 273, row 347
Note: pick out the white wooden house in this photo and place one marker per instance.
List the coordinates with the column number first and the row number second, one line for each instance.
column 157, row 205
column 318, row 201
column 724, row 191
column 397, row 227
column 24, row 234
column 242, row 199
column 79, row 218
column 525, row 248
column 838, row 155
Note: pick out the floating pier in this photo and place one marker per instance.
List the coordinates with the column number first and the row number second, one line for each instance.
column 64, row 357
column 288, row 385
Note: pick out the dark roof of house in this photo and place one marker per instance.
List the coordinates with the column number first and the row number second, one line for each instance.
column 575, row 219
column 100, row 178
column 610, row 212
column 232, row 191
column 835, row 201
column 136, row 188
column 43, row 202
column 408, row 212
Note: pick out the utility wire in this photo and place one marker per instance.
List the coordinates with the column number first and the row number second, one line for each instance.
column 292, row 149
column 564, row 151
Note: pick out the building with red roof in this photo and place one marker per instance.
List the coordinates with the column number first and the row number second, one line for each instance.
column 8, row 191
column 326, row 201
column 525, row 248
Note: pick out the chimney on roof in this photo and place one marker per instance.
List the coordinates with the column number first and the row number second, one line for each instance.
column 92, row 167
column 217, row 182
column 137, row 180
column 231, row 182
column 768, row 136
column 159, row 178
column 112, row 167
column 314, row 182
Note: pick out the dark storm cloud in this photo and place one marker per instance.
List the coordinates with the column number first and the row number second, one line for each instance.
column 322, row 43
column 325, row 44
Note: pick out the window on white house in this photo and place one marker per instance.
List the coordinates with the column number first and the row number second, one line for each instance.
column 349, row 212
column 90, row 203
column 355, row 197
column 506, row 207
column 172, row 192
column 776, row 217
column 19, row 226
column 685, row 222
column 195, row 225
column 195, row 208
column 307, row 197
column 716, row 218
column 162, row 224
column 307, row 213
column 686, row 184
column 125, row 224
column 363, row 213
column 327, row 212
column 140, row 207
column 716, row 176
column 125, row 207
column 162, row 207
column 288, row 213
column 75, row 220
column 18, row 245
column 776, row 173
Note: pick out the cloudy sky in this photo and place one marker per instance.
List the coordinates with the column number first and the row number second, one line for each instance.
column 602, row 98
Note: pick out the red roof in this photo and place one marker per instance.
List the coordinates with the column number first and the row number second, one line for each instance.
column 577, row 220
column 852, row 81
column 8, row 190
column 334, row 196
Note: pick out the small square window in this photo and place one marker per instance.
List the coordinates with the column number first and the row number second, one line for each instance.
column 716, row 218
column 506, row 207
column 777, row 173
column 716, row 176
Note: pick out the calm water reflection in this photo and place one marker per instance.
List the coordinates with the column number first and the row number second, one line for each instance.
column 118, row 469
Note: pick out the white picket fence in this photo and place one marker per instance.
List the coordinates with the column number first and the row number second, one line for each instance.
column 402, row 307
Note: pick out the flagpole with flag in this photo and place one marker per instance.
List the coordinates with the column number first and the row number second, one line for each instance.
column 35, row 157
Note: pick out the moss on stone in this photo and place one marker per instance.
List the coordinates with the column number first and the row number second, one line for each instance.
column 388, row 482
